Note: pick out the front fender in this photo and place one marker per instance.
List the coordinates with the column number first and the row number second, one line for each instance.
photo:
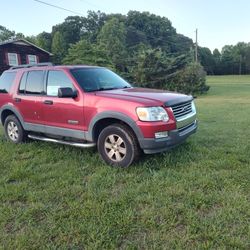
column 115, row 115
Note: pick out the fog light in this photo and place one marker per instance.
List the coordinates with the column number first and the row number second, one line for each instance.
column 161, row 134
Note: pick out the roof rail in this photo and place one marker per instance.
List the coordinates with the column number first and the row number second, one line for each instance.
column 32, row 65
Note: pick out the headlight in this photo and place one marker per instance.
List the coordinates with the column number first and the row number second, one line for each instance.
column 193, row 107
column 152, row 114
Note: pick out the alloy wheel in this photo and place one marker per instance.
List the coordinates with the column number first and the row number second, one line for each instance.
column 115, row 147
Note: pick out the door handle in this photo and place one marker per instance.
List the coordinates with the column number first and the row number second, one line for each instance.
column 17, row 99
column 48, row 102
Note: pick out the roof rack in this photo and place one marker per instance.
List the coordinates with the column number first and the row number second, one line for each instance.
column 32, row 65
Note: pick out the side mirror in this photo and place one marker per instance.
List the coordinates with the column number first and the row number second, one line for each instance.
column 67, row 93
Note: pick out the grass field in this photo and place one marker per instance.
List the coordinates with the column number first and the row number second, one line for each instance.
column 195, row 196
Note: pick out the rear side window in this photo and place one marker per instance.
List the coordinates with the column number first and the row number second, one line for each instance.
column 6, row 81
column 34, row 83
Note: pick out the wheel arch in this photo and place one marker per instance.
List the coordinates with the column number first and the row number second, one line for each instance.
column 107, row 118
column 7, row 110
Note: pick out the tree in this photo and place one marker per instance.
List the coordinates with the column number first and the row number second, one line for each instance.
column 92, row 25
column 44, row 40
column 112, row 40
column 31, row 39
column 206, row 59
column 84, row 52
column 6, row 34
column 154, row 68
column 159, row 32
column 190, row 80
column 217, row 62
column 58, row 47
column 70, row 29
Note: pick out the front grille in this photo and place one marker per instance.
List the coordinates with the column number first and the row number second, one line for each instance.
column 183, row 109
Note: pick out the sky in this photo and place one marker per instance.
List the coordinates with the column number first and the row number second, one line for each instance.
column 219, row 22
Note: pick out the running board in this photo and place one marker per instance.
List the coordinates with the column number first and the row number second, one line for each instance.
column 75, row 144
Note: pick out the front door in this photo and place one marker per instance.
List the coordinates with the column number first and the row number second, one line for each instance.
column 61, row 116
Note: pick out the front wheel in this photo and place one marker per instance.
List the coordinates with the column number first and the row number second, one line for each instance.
column 118, row 146
column 14, row 130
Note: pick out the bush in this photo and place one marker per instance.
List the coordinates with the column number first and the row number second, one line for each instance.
column 190, row 80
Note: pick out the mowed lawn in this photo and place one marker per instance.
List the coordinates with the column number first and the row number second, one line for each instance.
column 195, row 196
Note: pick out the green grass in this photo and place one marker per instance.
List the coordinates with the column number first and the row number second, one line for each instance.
column 195, row 196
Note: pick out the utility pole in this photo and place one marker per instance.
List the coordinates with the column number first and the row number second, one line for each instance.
column 240, row 66
column 196, row 45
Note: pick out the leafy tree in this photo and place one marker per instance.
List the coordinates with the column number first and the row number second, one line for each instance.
column 206, row 59
column 85, row 52
column 70, row 29
column 19, row 36
column 65, row 34
column 233, row 59
column 6, row 34
column 58, row 47
column 92, row 25
column 189, row 80
column 217, row 62
column 159, row 32
column 135, row 37
column 112, row 40
column 32, row 39
column 154, row 67
column 44, row 40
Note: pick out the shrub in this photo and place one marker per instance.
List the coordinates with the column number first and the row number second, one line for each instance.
column 190, row 80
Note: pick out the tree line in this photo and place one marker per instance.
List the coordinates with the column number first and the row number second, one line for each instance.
column 232, row 60
column 142, row 47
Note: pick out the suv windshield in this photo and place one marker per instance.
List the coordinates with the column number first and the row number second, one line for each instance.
column 98, row 79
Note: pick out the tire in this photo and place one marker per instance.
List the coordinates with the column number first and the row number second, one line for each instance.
column 14, row 131
column 118, row 146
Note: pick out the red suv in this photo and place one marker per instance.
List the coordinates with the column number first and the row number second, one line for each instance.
column 85, row 106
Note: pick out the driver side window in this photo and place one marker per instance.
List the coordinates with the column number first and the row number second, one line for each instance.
column 57, row 79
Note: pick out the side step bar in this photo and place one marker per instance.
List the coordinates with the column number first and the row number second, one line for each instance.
column 75, row 144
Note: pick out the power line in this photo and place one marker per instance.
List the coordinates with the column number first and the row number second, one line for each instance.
column 58, row 7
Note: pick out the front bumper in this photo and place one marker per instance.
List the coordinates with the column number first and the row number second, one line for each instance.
column 175, row 137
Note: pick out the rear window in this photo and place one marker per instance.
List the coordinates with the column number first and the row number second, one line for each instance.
column 6, row 81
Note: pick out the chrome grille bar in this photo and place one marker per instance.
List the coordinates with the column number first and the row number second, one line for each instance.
column 182, row 109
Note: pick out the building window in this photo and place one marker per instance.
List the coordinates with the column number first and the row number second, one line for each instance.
column 32, row 59
column 13, row 59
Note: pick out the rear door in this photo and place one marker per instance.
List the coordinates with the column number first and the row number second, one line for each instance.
column 61, row 112
column 29, row 96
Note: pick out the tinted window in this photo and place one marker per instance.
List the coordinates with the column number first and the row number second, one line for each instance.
column 93, row 79
column 57, row 79
column 34, row 83
column 23, row 83
column 6, row 81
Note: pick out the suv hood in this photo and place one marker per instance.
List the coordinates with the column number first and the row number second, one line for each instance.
column 146, row 96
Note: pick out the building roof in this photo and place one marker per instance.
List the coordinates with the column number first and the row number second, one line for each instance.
column 24, row 42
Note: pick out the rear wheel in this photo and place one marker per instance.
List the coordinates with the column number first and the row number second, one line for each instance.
column 118, row 146
column 14, row 131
